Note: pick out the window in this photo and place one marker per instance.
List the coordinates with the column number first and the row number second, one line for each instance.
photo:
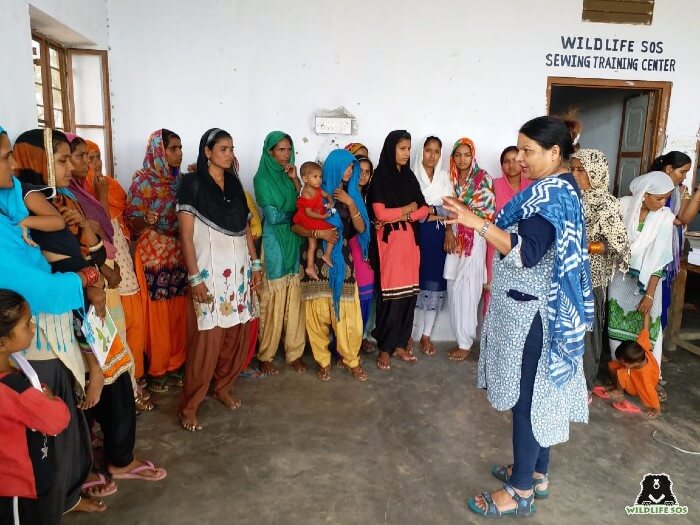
column 50, row 83
column 72, row 92
column 90, row 106
column 618, row 11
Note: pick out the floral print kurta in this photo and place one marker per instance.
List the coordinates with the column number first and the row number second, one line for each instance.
column 226, row 264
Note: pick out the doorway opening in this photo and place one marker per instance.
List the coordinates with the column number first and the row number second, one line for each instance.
column 625, row 119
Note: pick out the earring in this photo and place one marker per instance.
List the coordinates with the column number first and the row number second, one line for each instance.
column 208, row 163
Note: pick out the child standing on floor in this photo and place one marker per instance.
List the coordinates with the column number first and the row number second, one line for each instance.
column 29, row 416
column 636, row 371
column 312, row 213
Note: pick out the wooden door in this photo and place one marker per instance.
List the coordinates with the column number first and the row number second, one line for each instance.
column 635, row 140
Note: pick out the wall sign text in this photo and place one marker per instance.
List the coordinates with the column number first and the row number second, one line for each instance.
column 610, row 53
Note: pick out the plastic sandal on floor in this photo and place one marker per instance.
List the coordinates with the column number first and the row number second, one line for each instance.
column 524, row 506
column 500, row 472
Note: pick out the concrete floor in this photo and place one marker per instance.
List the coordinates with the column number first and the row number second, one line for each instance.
column 406, row 447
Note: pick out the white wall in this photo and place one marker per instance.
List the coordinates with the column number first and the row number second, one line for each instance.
column 447, row 68
column 79, row 23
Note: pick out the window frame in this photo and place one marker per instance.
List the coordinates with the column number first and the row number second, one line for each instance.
column 106, row 126
column 46, row 45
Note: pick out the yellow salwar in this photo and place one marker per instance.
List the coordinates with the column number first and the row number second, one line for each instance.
column 320, row 317
column 281, row 311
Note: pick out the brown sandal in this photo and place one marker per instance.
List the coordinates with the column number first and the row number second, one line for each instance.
column 324, row 373
column 384, row 363
column 427, row 346
column 358, row 373
column 144, row 405
column 405, row 355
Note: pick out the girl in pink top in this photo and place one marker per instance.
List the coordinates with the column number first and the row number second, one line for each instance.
column 505, row 188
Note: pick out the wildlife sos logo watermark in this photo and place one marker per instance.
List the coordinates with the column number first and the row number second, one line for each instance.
column 656, row 497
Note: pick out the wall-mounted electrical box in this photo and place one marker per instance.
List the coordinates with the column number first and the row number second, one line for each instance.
column 333, row 125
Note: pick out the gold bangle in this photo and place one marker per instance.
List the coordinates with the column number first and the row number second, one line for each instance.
column 649, row 296
column 356, row 216
column 314, row 234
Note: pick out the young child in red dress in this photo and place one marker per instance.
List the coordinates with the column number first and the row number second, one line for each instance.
column 29, row 416
column 312, row 213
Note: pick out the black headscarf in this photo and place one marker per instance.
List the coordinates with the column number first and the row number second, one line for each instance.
column 390, row 186
column 227, row 211
column 394, row 188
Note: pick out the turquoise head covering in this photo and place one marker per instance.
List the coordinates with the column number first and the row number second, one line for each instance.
column 24, row 269
column 333, row 170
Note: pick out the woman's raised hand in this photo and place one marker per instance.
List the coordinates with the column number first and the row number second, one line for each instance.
column 341, row 195
column 291, row 171
column 461, row 214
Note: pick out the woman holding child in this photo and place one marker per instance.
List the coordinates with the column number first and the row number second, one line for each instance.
column 332, row 300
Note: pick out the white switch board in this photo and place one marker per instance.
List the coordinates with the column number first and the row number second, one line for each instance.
column 334, row 125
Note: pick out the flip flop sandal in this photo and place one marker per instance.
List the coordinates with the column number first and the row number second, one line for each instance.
column 100, row 481
column 500, row 472
column 627, row 406
column 524, row 506
column 367, row 347
column 599, row 391
column 134, row 473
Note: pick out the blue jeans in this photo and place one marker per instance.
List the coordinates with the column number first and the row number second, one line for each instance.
column 528, row 455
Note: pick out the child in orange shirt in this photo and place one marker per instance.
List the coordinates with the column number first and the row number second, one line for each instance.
column 636, row 371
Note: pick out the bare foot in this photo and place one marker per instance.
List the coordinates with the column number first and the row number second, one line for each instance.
column 311, row 272
column 459, row 354
column 86, row 504
column 93, row 390
column 298, row 365
column 268, row 369
column 326, row 259
column 228, row 401
column 138, row 469
column 384, row 361
column 190, row 423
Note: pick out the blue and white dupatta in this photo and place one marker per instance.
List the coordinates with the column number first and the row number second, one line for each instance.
column 570, row 301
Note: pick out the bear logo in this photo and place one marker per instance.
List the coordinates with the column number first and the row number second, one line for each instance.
column 656, row 489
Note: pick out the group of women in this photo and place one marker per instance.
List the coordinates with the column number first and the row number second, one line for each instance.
column 539, row 257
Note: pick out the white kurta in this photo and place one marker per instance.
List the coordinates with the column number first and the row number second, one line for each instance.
column 466, row 276
column 227, row 264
